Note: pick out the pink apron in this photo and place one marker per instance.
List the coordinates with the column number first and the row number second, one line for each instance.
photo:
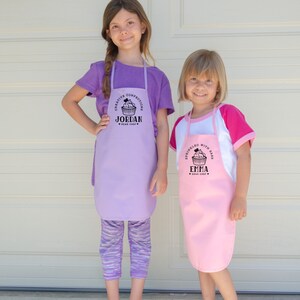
column 205, row 192
column 125, row 156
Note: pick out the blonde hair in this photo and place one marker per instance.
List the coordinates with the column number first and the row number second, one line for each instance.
column 208, row 63
column 113, row 7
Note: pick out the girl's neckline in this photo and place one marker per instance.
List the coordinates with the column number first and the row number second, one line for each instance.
column 203, row 117
column 132, row 66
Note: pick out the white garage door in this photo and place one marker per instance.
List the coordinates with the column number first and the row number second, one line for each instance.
column 49, row 229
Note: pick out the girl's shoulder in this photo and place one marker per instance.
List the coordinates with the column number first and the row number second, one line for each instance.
column 91, row 79
column 235, row 122
column 158, row 78
column 228, row 109
column 155, row 69
column 96, row 69
column 98, row 65
column 156, row 72
column 173, row 133
column 179, row 120
column 231, row 113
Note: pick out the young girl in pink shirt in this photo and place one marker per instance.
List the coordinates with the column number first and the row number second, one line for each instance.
column 212, row 144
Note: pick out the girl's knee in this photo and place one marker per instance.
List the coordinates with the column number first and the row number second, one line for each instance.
column 139, row 232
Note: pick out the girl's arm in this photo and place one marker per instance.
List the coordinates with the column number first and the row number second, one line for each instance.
column 238, row 207
column 159, row 179
column 70, row 103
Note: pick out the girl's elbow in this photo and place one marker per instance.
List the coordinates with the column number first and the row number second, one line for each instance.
column 62, row 103
column 65, row 102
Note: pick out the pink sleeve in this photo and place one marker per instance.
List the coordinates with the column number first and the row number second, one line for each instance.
column 173, row 134
column 239, row 130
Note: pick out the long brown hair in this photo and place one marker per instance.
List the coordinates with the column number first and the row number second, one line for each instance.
column 113, row 7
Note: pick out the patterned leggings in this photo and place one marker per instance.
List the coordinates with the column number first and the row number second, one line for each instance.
column 111, row 248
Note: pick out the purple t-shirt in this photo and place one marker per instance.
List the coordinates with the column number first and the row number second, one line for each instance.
column 159, row 90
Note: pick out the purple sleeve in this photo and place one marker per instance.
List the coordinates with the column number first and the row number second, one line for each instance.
column 91, row 80
column 165, row 100
column 239, row 130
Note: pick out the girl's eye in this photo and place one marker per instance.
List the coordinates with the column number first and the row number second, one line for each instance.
column 114, row 27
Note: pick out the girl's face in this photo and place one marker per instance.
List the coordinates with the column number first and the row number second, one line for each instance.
column 201, row 90
column 126, row 30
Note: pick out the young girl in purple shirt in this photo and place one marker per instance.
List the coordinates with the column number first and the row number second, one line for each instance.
column 133, row 100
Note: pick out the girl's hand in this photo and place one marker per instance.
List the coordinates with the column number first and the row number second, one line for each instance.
column 158, row 183
column 238, row 209
column 102, row 124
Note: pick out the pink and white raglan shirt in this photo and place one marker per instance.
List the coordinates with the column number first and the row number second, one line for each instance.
column 232, row 129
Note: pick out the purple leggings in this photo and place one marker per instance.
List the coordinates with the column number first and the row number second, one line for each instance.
column 111, row 248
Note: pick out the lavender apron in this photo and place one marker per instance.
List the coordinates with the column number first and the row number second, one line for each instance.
column 125, row 156
column 205, row 192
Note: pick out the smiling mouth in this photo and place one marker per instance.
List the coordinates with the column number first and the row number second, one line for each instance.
column 200, row 95
column 125, row 39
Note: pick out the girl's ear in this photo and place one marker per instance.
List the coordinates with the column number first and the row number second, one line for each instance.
column 144, row 27
column 107, row 33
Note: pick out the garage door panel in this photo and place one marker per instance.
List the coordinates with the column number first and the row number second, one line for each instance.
column 269, row 229
column 48, row 224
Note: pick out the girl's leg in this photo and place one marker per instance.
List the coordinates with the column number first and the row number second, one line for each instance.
column 140, row 250
column 112, row 289
column 207, row 285
column 225, row 285
column 137, row 288
column 111, row 251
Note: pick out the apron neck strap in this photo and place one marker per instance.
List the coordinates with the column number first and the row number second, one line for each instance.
column 145, row 76
column 112, row 76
